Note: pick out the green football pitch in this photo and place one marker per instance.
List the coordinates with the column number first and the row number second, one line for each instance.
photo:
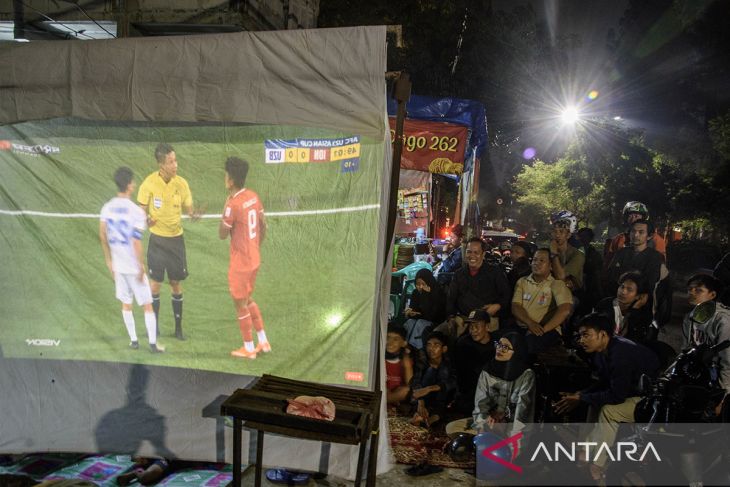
column 316, row 287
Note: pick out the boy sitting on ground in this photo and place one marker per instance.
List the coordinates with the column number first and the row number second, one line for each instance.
column 398, row 365
column 434, row 382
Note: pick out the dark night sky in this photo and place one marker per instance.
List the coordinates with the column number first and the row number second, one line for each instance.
column 645, row 87
column 588, row 66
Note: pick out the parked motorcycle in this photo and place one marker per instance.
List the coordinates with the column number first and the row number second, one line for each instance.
column 687, row 392
column 677, row 414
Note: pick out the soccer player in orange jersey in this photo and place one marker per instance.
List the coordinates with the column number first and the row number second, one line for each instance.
column 243, row 220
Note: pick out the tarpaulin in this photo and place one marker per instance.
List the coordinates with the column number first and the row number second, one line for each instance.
column 469, row 113
column 432, row 146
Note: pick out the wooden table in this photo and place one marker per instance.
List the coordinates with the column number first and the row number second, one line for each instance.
column 263, row 408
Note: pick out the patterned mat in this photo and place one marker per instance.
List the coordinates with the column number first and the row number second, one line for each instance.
column 412, row 445
column 103, row 470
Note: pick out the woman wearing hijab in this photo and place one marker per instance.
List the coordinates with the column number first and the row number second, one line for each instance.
column 428, row 307
column 505, row 391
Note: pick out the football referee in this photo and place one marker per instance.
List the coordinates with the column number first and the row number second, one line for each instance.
column 164, row 196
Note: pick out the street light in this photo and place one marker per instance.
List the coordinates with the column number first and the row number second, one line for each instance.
column 570, row 115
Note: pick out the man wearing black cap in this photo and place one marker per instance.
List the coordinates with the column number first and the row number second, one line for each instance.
column 472, row 352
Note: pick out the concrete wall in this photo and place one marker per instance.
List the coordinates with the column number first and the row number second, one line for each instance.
column 247, row 14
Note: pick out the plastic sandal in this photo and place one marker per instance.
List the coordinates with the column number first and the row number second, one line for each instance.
column 284, row 476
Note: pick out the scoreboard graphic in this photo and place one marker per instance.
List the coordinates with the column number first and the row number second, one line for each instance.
column 346, row 151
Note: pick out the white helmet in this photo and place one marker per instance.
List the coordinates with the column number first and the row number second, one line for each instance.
column 566, row 218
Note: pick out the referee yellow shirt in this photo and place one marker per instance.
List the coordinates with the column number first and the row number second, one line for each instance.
column 165, row 202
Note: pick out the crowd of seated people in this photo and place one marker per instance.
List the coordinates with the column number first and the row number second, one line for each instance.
column 465, row 360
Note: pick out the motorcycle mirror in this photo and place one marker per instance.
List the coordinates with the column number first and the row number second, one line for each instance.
column 702, row 313
column 645, row 384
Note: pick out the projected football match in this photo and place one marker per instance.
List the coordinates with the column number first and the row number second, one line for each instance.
column 242, row 249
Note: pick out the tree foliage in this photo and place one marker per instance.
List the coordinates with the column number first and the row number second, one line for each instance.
column 720, row 134
column 605, row 166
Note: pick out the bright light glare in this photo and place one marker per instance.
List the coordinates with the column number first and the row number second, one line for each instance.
column 529, row 153
column 617, row 117
column 570, row 115
column 334, row 319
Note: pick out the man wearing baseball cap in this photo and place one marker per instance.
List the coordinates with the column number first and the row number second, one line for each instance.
column 472, row 352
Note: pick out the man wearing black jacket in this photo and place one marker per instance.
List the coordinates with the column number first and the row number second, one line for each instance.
column 639, row 257
column 618, row 363
column 477, row 285
column 472, row 352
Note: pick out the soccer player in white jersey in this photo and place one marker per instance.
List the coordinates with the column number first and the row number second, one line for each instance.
column 120, row 231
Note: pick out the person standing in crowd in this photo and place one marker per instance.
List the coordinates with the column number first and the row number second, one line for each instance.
column 567, row 261
column 243, row 220
column 639, row 257
column 121, row 227
column 164, row 196
column 427, row 308
column 633, row 210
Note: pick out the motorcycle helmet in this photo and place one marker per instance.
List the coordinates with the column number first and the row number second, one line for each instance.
column 566, row 218
column 635, row 207
column 461, row 448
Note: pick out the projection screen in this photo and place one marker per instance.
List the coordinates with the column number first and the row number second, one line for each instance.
column 306, row 111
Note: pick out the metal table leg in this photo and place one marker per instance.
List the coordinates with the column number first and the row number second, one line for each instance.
column 360, row 459
column 259, row 456
column 237, row 452
column 373, row 459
